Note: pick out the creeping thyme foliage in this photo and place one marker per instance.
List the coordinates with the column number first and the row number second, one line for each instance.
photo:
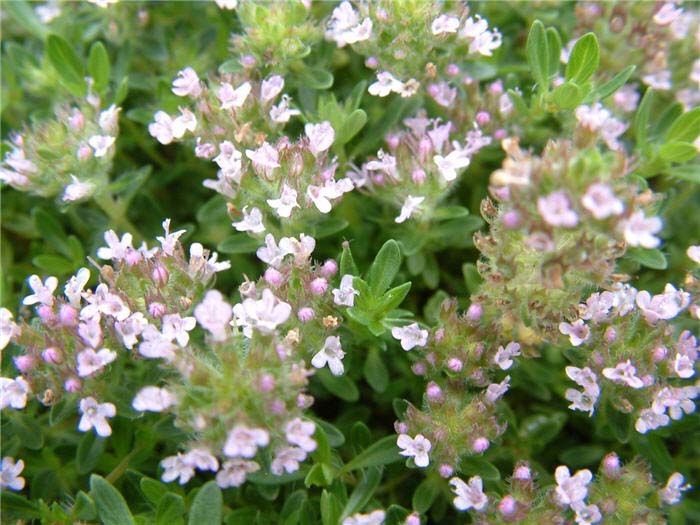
column 390, row 262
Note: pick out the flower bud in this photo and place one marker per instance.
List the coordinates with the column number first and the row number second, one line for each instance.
column 433, row 90
column 611, row 465
column 392, row 141
column 329, row 268
column 306, row 314
column 522, row 472
column 248, row 61
column 67, row 315
column 511, row 220
column 24, row 362
column 266, row 383
column 400, row 427
column 77, row 120
column 455, row 364
column 610, row 334
column 482, row 118
column 157, row 310
column 474, row 312
column 72, row 385
column 439, row 334
column 84, row 152
column 160, row 275
column 500, row 134
column 446, row 470
column 277, row 407
column 371, row 62
column 319, row 286
column 452, row 70
column 434, row 392
column 51, row 355
column 418, row 176
column 304, row 401
column 659, row 354
column 480, row 445
column 273, row 277
column 46, row 314
column 419, row 369
column 507, row 505
column 412, row 519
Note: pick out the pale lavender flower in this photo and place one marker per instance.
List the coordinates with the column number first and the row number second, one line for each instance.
column 443, row 93
column 626, row 98
column 496, row 391
column 416, row 448
column 693, row 253
column 375, row 517
column 169, row 242
column 265, row 158
column 109, row 119
column 683, row 366
column 469, row 495
column 410, row 205
column 162, row 128
column 202, row 459
column 252, row 221
column 94, row 415
column 153, row 399
column 601, row 202
column 624, row 373
column 77, row 190
column 675, row 400
column 156, row 345
column 586, row 514
column 271, row 253
column 207, row 266
column 662, row 306
column 282, row 112
column 570, row 489
column 331, row 189
column 556, row 210
column 385, row 163
column 214, row 314
column 229, row 5
column 344, row 26
column 116, row 249
column 187, row 83
column 101, row 144
column 177, row 327
column 229, row 160
column 287, row 459
column 177, row 467
column 586, row 400
column 103, row 302
column 88, row 361
column 8, row 328
column 271, row 87
column 243, row 442
column 130, row 329
column 301, row 249
column 10, row 474
column 43, row 292
column 263, row 315
column 321, row 137
column 345, row 294
column 90, row 331
column 671, row 493
column 286, row 203
column 13, row 392
column 385, row 84
column 597, row 306
column 298, row 432
column 444, row 24
column 640, row 230
column 668, row 14
column 331, row 354
column 577, row 331
column 504, row 356
column 233, row 98
column 410, row 336
column 650, row 420
column 186, row 121
column 234, row 471
column 449, row 164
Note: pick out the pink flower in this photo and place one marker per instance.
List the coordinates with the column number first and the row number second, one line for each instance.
column 214, row 315
column 469, row 495
column 444, row 24
column 13, row 392
column 503, row 357
column 265, row 159
column 43, row 292
column 286, row 203
column 233, row 98
column 410, row 336
column 263, row 315
column 578, row 332
column 321, row 137
column 117, row 249
column 153, row 399
column 287, row 459
column 187, row 83
column 234, row 471
column 94, row 415
column 299, row 432
column 601, row 202
column 556, row 210
column 242, row 441
column 410, row 205
column 671, row 493
column 624, row 373
column 271, row 87
column 572, row 489
column 331, row 354
column 416, row 448
column 345, row 295
column 89, row 361
column 639, row 230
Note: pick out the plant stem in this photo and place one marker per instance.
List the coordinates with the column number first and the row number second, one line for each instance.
column 117, row 215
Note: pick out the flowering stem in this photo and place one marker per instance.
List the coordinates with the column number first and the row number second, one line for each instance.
column 121, row 467
column 117, row 215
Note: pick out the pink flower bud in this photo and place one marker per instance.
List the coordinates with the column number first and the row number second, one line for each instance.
column 480, row 445
column 306, row 314
column 248, row 61
column 412, row 519
column 84, row 152
column 511, row 219
column 433, row 90
column 24, row 362
column 467, row 80
column 446, row 470
column 500, row 134
column 522, row 472
column 425, row 148
column 400, row 427
column 304, row 401
column 77, row 120
column 392, row 141
column 371, row 62
column 502, row 193
column 483, row 118
column 277, row 407
column 273, row 277
column 160, row 275
column 419, row 369
column 266, row 383
column 329, row 268
column 418, row 176
column 132, row 257
column 67, row 315
column 659, row 354
column 455, row 364
column 157, row 310
column 610, row 334
column 319, row 286
column 474, row 312
column 507, row 505
column 496, row 88
column 434, row 392
column 647, row 379
column 479, row 350
column 430, row 358
column 51, row 355
column 378, row 179
column 381, row 15
column 439, row 334
column 452, row 70
column 72, row 384
column 46, row 314
column 205, row 151
column 598, row 358
column 611, row 465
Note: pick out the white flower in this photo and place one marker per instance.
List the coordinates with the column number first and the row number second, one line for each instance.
column 117, row 249
column 668, row 14
column 410, row 205
column 130, row 328
column 287, row 459
column 89, row 361
column 345, row 295
column 486, row 42
column 153, row 399
column 639, row 230
column 104, row 302
column 271, row 87
column 298, row 432
column 169, row 242
column 600, row 201
column 233, row 98
column 176, row 327
column 473, row 27
column 572, row 489
column 77, row 190
column 13, row 392
column 624, row 373
column 331, row 189
column 469, row 495
column 229, row 5
column 496, row 391
column 671, row 493
column 265, row 158
column 243, row 442
column 586, row 400
column 416, row 448
column 331, row 354
column 202, row 459
column 162, row 128
column 109, row 119
column 187, row 83
column 449, row 164
column 234, row 471
column 650, row 420
column 385, row 84
column 344, row 26
column 693, row 253
column 556, row 210
column 90, row 331
column 410, row 336
column 95, row 415
column 586, row 514
column 577, row 331
column 263, row 315
column 10, row 474
column 185, row 122
column 376, row 517
column 321, row 137
column 662, row 306
column 271, row 253
column 444, row 24
column 8, row 328
column 156, row 345
column 43, row 292
column 503, row 357
column 676, row 400
column 683, row 366
column 214, row 314
column 282, row 112
column 177, row 467
column 301, row 249
column 229, row 160
column 286, row 203
column 101, row 144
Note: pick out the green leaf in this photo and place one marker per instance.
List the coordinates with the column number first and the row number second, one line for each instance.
column 685, row 128
column 292, row 507
column 385, row 267
column 347, row 263
column 244, row 516
column 450, row 212
column 267, row 478
column 567, row 95
column 111, row 506
column 653, row 448
column 122, row 91
column 55, row 264
column 690, row 173
column 363, row 492
column 322, row 454
column 320, row 475
column 89, row 451
column 540, row 429
column 477, row 465
column 653, row 258
column 329, row 226
column 335, row 436
column 23, row 13
column 28, row 430
column 554, row 50
column 340, row 386
column 240, row 243
column 538, row 55
column 170, row 509
column 207, row 506
column 51, row 230
column 382, row 452
column 620, row 424
column 67, row 64
column 678, row 151
column 425, row 494
column 84, row 508
column 317, row 78
column 330, row 508
column 615, row 83
column 98, row 66
column 641, row 119
column 393, row 298
column 375, row 371
column 517, row 99
column 583, row 60
column 582, row 455
column 472, row 278
column 17, row 506
column 351, row 126
column 153, row 489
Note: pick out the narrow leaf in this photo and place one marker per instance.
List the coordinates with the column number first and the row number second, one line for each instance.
column 98, row 66
column 67, row 64
column 538, row 54
column 615, row 83
column 111, row 506
column 382, row 452
column 685, row 128
column 583, row 60
column 207, row 506
column 385, row 267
